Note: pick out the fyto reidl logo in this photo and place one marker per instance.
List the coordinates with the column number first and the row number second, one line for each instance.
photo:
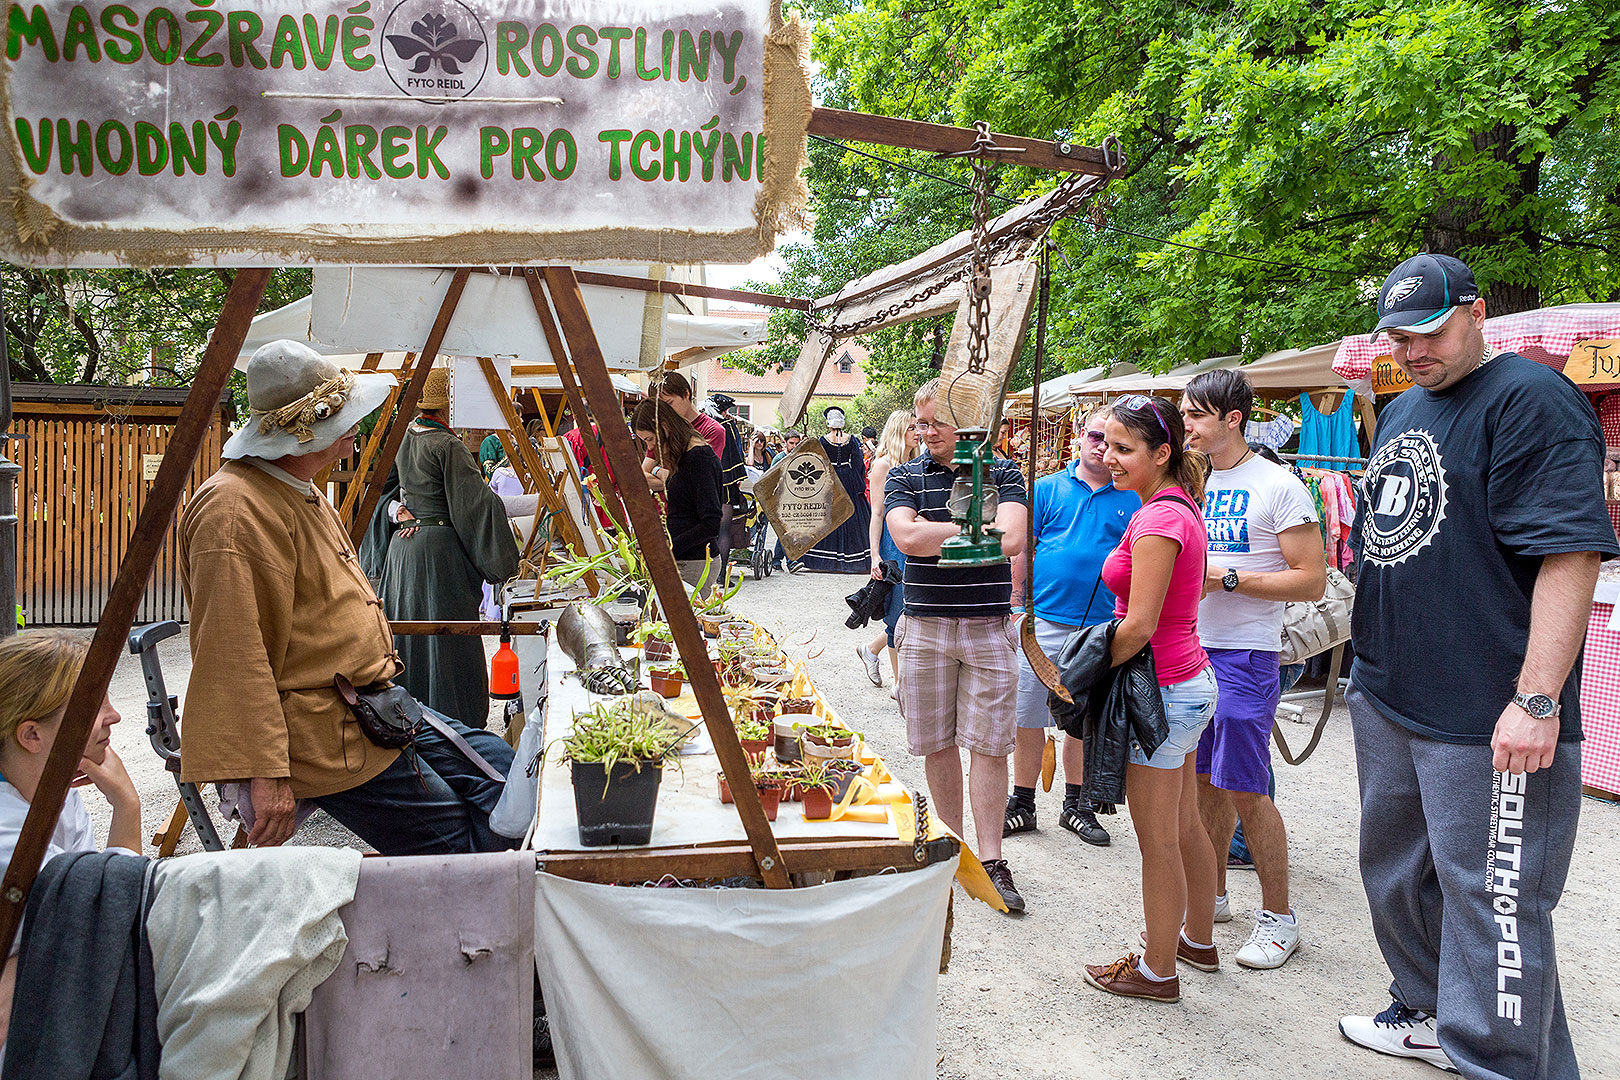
column 435, row 50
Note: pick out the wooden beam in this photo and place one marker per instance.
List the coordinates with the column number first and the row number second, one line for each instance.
column 463, row 629
column 362, row 468
column 151, row 533
column 575, row 323
column 371, row 361
column 943, row 139
column 681, row 288
column 582, row 415
column 737, row 860
column 407, row 406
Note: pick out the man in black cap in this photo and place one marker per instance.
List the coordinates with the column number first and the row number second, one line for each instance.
column 1480, row 531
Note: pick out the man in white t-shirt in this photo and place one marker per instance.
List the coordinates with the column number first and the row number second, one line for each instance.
column 1265, row 549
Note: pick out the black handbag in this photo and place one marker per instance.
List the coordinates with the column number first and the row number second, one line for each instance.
column 390, row 717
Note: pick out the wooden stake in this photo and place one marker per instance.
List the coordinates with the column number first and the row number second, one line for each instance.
column 407, row 406
column 575, row 322
column 151, row 532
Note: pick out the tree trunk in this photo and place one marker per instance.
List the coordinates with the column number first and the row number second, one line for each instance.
column 1469, row 223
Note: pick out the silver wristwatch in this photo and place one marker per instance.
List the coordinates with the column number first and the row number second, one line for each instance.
column 1229, row 580
column 1539, row 706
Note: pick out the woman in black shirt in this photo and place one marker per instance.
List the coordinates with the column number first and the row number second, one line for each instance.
column 683, row 465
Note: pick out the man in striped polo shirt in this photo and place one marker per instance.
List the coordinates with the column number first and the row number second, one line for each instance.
column 958, row 661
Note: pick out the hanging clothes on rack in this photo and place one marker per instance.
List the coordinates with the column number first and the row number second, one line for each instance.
column 1336, row 508
column 1274, row 433
column 1331, row 435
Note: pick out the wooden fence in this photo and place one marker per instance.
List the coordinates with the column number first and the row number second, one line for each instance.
column 86, row 469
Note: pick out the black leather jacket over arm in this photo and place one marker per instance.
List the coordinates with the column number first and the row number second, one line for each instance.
column 1113, row 707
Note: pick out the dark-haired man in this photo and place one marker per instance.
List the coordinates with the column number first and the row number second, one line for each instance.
column 1265, row 549
column 1479, row 533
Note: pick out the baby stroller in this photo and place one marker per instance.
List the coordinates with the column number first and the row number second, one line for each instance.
column 757, row 553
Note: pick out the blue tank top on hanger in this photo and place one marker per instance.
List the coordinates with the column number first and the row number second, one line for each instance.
column 1329, row 434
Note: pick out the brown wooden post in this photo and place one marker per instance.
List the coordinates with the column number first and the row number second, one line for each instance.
column 575, row 322
column 362, row 468
column 582, row 415
column 151, row 531
column 407, row 405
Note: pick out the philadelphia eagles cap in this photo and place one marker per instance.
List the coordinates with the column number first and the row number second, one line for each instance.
column 1420, row 294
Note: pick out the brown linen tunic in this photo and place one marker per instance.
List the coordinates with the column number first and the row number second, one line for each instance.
column 279, row 605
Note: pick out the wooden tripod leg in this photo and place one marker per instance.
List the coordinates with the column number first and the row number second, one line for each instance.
column 407, row 406
column 151, row 534
column 575, row 322
column 363, row 472
column 169, row 839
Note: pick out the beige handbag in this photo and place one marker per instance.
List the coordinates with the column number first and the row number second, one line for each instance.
column 1315, row 626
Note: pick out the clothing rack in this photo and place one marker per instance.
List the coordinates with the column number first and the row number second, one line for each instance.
column 1323, row 457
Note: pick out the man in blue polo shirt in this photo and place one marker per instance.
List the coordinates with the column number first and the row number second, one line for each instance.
column 1079, row 518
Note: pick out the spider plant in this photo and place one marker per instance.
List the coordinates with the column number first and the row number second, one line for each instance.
column 609, row 735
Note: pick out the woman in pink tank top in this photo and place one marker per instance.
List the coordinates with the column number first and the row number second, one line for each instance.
column 1158, row 574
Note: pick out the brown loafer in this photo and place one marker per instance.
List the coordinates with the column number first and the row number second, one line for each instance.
column 1207, row 958
column 1122, row 978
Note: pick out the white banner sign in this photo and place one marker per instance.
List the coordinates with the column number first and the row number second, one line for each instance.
column 427, row 131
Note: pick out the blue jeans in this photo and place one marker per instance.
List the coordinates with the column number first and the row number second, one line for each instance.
column 430, row 801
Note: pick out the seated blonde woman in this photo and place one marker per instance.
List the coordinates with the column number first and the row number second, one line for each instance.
column 37, row 671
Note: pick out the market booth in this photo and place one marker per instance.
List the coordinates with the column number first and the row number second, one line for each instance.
column 1582, row 341
column 427, row 965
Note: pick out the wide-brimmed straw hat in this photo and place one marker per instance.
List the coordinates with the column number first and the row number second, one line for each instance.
column 301, row 402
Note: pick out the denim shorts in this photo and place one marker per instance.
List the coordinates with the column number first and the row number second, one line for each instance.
column 1188, row 705
column 1032, row 693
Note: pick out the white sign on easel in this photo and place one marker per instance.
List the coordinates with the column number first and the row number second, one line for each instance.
column 472, row 405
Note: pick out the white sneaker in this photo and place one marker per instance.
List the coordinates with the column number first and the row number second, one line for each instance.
column 870, row 659
column 1223, row 909
column 1398, row 1031
column 1272, row 943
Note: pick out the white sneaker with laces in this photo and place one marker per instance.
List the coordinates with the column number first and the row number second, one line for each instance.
column 870, row 659
column 1272, row 943
column 1223, row 909
column 1398, row 1031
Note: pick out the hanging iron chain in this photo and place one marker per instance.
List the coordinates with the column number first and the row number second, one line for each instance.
column 919, row 851
column 978, row 351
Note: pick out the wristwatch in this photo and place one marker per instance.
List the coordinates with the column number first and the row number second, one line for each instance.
column 1229, row 580
column 1539, row 706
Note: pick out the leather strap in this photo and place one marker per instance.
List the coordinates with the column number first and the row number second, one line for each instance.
column 461, row 744
column 1328, row 697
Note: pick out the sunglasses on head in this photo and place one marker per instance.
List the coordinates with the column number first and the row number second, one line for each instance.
column 1137, row 401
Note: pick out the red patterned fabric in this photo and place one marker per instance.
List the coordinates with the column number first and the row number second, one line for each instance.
column 1545, row 335
column 1608, row 408
column 1600, row 704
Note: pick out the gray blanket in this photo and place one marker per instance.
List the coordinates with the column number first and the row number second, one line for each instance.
column 85, row 1007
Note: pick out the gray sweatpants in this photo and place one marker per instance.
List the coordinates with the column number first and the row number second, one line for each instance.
column 1463, row 866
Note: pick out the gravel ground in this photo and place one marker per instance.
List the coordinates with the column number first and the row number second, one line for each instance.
column 1013, row 1004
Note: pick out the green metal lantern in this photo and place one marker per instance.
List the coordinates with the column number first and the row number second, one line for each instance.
column 972, row 504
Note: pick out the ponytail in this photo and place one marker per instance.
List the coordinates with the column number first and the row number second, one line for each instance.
column 1191, row 468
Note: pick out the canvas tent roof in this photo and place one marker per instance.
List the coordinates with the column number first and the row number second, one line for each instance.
column 1056, row 393
column 1284, row 372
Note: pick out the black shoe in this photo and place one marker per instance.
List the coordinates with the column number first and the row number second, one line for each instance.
column 1001, row 878
column 1020, row 818
column 1083, row 823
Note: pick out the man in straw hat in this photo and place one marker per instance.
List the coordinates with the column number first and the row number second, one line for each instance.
column 279, row 606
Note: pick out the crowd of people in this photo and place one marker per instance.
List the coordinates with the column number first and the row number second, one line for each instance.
column 1164, row 557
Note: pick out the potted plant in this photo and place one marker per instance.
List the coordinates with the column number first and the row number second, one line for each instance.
column 770, row 676
column 794, row 706
column 731, row 661
column 755, row 737
column 750, row 701
column 655, row 639
column 817, row 782
column 666, row 679
column 711, row 609
column 770, row 791
column 788, row 750
column 829, row 741
column 616, row 757
column 842, row 773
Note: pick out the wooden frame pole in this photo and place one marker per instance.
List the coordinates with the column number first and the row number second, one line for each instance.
column 151, row 531
column 407, row 405
column 582, row 416
column 575, row 323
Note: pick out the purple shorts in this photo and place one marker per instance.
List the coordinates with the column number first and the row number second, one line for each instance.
column 1235, row 751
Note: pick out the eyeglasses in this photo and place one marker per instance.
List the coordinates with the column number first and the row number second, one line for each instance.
column 926, row 425
column 1136, row 401
column 1096, row 438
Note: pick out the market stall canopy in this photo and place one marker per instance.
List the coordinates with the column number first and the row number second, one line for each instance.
column 709, row 335
column 1057, row 393
column 1581, row 340
column 1282, row 373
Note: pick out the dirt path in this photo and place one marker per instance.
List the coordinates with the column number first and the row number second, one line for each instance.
column 1014, row 1005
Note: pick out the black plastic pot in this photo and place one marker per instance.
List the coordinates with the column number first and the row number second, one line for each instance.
column 623, row 814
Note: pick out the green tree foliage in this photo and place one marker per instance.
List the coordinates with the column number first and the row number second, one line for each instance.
column 1323, row 139
column 109, row 326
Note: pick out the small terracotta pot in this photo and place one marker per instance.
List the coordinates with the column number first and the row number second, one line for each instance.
column 843, row 747
column 665, row 685
column 770, row 797
column 755, row 748
column 658, row 649
column 793, row 706
column 725, row 790
column 818, row 804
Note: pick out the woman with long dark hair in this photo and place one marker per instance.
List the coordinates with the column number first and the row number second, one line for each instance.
column 686, row 469
column 1157, row 571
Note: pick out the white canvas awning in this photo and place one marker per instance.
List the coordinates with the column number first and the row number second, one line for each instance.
column 1282, row 373
column 1057, row 393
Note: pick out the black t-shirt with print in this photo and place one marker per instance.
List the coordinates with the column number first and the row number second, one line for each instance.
column 1465, row 492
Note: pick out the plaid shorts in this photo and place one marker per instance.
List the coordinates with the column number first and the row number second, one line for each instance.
column 958, row 684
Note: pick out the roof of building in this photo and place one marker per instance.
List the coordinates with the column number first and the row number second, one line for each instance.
column 834, row 382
